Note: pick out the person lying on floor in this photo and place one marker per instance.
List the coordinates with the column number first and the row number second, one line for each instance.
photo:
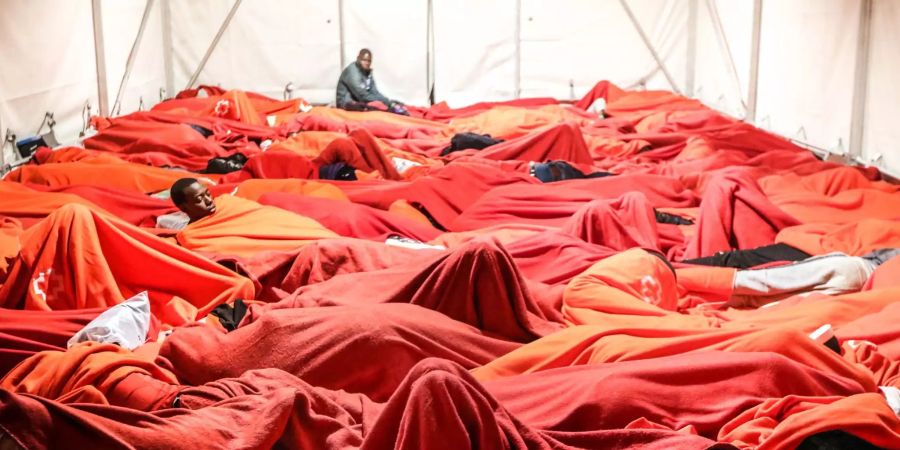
column 192, row 199
column 832, row 274
column 356, row 87
column 79, row 258
column 552, row 171
column 235, row 226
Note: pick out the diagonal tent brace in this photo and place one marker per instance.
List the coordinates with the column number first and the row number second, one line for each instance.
column 753, row 90
column 691, row 54
column 860, row 79
column 720, row 31
column 649, row 45
column 214, row 43
column 132, row 55
column 100, row 57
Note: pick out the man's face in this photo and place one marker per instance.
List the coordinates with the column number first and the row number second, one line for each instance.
column 198, row 203
column 365, row 61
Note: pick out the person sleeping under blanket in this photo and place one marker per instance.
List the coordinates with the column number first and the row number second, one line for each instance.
column 80, row 258
column 235, row 226
column 831, row 274
column 552, row 171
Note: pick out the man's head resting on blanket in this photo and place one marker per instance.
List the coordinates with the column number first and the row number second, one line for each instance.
column 192, row 198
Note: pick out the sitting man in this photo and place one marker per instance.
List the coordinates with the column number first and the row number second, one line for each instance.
column 356, row 87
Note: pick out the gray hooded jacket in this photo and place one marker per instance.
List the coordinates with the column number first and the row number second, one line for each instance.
column 355, row 85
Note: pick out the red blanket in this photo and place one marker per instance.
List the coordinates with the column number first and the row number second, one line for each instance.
column 77, row 258
column 364, row 348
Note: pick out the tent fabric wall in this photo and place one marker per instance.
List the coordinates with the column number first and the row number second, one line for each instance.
column 564, row 49
column 807, row 56
column 48, row 65
column 268, row 44
column 881, row 133
column 714, row 82
column 147, row 75
column 475, row 54
column 495, row 50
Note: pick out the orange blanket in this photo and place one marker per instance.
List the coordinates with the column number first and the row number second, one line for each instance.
column 854, row 238
column 244, row 228
column 85, row 373
column 592, row 344
column 633, row 282
column 783, row 423
column 30, row 206
column 123, row 175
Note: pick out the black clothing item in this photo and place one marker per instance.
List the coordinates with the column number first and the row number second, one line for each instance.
column 337, row 171
column 881, row 256
column 745, row 259
column 664, row 259
column 228, row 164
column 552, row 171
column 836, row 440
column 204, row 131
column 662, row 217
column 357, row 106
column 599, row 175
column 465, row 141
column 230, row 317
column 834, row 344
column 421, row 208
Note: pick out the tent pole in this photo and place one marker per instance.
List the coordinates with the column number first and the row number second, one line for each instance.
column 167, row 48
column 214, row 43
column 100, row 57
column 753, row 89
column 691, row 58
column 132, row 55
column 341, row 33
column 720, row 30
column 518, row 37
column 429, row 69
column 860, row 78
column 649, row 45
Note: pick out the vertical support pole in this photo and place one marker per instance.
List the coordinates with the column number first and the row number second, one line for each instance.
column 518, row 37
column 691, row 59
column 132, row 55
column 861, row 78
column 100, row 57
column 753, row 89
column 214, row 43
column 649, row 45
column 168, row 59
column 341, row 33
column 429, row 70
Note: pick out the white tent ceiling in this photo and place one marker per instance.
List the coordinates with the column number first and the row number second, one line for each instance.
column 826, row 73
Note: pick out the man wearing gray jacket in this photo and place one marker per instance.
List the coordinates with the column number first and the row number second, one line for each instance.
column 356, row 87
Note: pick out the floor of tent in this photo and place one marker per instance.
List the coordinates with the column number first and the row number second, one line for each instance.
column 522, row 274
